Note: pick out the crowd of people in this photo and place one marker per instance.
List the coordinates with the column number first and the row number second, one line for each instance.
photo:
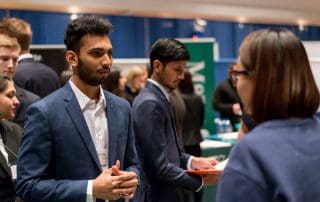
column 98, row 134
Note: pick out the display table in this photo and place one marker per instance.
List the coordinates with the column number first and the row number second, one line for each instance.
column 224, row 137
column 217, row 146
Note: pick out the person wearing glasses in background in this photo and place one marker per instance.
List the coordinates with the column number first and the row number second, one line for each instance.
column 10, row 133
column 278, row 160
column 226, row 100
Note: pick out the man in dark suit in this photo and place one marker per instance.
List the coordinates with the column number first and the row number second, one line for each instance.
column 226, row 100
column 11, row 49
column 34, row 76
column 78, row 143
column 157, row 138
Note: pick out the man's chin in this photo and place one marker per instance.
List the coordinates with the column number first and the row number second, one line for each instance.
column 10, row 75
column 94, row 83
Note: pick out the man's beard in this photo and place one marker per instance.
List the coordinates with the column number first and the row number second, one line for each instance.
column 85, row 75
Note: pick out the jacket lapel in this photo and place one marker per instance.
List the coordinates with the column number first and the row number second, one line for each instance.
column 78, row 119
column 4, row 165
column 167, row 104
column 112, row 127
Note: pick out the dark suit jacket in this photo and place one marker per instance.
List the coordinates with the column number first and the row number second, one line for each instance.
column 193, row 120
column 57, row 156
column 225, row 95
column 25, row 98
column 158, row 148
column 36, row 77
column 179, row 110
column 11, row 135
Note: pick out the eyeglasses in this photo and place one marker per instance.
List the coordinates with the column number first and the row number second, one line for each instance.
column 236, row 74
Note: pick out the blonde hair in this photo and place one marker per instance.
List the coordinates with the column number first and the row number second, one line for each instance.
column 134, row 72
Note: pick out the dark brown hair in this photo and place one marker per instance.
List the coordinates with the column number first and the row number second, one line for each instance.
column 186, row 85
column 4, row 82
column 283, row 80
column 111, row 83
column 82, row 26
column 168, row 50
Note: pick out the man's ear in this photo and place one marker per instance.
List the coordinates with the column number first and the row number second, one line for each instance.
column 157, row 66
column 72, row 58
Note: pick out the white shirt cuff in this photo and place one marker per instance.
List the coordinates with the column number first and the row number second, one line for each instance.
column 89, row 192
column 189, row 163
column 189, row 168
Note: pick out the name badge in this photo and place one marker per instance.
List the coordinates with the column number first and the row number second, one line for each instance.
column 14, row 171
column 103, row 158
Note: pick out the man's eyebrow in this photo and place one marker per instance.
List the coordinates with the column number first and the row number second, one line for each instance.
column 96, row 48
column 101, row 49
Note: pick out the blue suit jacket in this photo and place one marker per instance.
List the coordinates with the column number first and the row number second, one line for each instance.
column 157, row 142
column 57, row 155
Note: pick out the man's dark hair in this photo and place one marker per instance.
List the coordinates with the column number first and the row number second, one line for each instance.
column 168, row 50
column 83, row 26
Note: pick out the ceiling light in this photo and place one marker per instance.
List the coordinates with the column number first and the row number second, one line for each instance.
column 74, row 16
column 301, row 25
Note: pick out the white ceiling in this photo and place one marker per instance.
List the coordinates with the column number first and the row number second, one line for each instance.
column 306, row 12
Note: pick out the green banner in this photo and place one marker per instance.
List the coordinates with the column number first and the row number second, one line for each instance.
column 201, row 66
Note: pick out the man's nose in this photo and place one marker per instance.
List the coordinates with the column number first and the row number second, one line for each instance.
column 107, row 60
column 11, row 63
column 181, row 76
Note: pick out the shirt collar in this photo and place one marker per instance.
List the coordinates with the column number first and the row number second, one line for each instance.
column 84, row 100
column 25, row 56
column 162, row 89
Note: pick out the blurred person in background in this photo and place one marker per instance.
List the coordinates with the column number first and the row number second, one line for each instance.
column 65, row 76
column 145, row 74
column 278, row 159
column 192, row 122
column 30, row 75
column 226, row 100
column 9, row 53
column 179, row 112
column 10, row 135
column 135, row 82
column 115, row 83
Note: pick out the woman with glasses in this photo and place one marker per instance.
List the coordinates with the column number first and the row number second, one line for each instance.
column 278, row 160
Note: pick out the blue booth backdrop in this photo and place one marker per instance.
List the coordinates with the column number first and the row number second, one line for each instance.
column 133, row 36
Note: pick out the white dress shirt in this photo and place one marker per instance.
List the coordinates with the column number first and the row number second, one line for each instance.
column 96, row 119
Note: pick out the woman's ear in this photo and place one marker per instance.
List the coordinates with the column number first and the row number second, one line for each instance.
column 72, row 58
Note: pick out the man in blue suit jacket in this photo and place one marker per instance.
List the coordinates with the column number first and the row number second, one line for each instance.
column 74, row 137
column 157, row 140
